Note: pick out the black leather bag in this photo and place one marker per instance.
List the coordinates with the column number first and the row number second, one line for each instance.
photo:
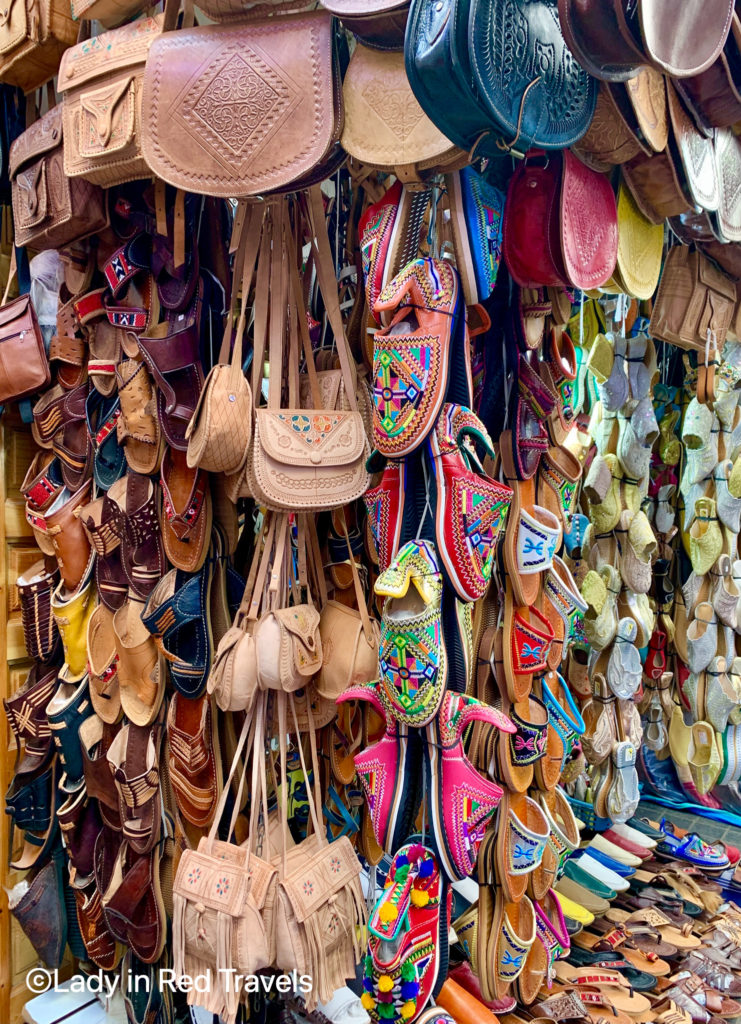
column 496, row 75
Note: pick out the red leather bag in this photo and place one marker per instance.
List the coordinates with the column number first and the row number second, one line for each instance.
column 560, row 223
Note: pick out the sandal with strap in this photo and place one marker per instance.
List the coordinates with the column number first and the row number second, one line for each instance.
column 603, row 988
column 134, row 760
column 681, row 937
column 138, row 428
column 187, row 512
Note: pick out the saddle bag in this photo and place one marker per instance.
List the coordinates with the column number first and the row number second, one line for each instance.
column 33, row 36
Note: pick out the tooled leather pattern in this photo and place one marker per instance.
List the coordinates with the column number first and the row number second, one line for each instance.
column 514, row 42
column 640, row 245
column 697, row 155
column 728, row 156
column 588, row 224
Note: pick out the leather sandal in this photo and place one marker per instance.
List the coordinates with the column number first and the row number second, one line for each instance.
column 193, row 758
column 186, row 512
column 133, row 905
column 133, row 515
column 138, row 427
column 134, row 760
column 41, row 487
column 141, row 674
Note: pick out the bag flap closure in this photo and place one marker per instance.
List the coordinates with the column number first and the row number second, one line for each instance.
column 310, row 437
column 249, row 109
column 715, row 279
column 13, row 24
column 30, row 194
column 41, row 137
column 218, row 884
column 120, row 48
column 317, row 873
column 107, row 117
column 18, row 309
column 302, row 622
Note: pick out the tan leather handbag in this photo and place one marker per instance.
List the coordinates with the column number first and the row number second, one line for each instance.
column 303, row 460
column 695, row 302
column 350, row 640
column 50, row 210
column 223, row 895
column 100, row 80
column 24, row 368
column 237, row 110
column 109, row 13
column 33, row 36
column 220, row 432
column 319, row 907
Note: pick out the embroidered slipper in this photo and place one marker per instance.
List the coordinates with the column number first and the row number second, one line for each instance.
column 527, row 638
column 522, row 835
column 562, row 841
column 624, row 662
column 510, row 940
column 702, row 637
column 559, row 473
column 561, row 595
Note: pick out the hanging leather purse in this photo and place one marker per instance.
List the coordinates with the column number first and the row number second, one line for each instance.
column 714, row 96
column 33, row 36
column 252, row 108
column 220, row 431
column 727, row 220
column 695, row 301
column 50, row 210
column 24, row 367
column 109, row 13
column 640, row 247
column 304, row 460
column 100, row 80
column 319, row 906
column 223, row 896
column 560, row 223
column 379, row 23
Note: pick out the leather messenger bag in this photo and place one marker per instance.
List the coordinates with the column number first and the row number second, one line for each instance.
column 239, row 110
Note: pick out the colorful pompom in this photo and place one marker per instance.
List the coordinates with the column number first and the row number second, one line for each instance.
column 408, row 973
column 408, row 1010
column 368, row 965
column 402, row 873
column 415, row 851
column 368, row 984
column 420, row 897
column 385, row 983
column 386, row 1010
column 409, row 989
column 426, row 868
column 368, row 1001
column 401, row 860
column 388, row 912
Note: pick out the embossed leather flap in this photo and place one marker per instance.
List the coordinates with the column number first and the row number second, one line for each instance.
column 588, row 224
column 314, row 876
column 240, row 110
column 310, row 438
column 302, row 623
column 112, row 51
column 728, row 158
column 43, row 136
column 384, row 124
column 694, row 156
column 13, row 22
column 106, row 118
column 31, row 207
column 330, row 382
column 220, row 881
column 640, row 245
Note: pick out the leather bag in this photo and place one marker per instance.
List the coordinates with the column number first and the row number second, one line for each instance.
column 220, row 431
column 640, row 247
column 109, row 13
column 223, row 896
column 714, row 96
column 497, row 76
column 613, row 38
column 24, row 368
column 695, row 301
column 350, row 639
column 727, row 220
column 238, row 110
column 378, row 23
column 304, row 460
column 33, row 36
column 319, row 906
column 100, row 80
column 50, row 210
column 560, row 223
column 385, row 127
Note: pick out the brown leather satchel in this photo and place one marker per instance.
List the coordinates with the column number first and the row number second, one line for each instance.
column 238, row 110
column 33, row 36
column 714, row 96
column 385, row 127
column 101, row 82
column 629, row 119
column 378, row 23
column 24, row 368
column 695, row 302
column 50, row 210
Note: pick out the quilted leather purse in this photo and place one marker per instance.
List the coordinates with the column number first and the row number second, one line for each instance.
column 497, row 76
column 50, row 210
column 24, row 368
column 560, row 223
column 220, row 432
column 33, row 36
column 101, row 83
column 695, row 301
column 304, row 459
column 319, row 906
column 384, row 124
column 613, row 38
column 238, row 110
column 223, row 896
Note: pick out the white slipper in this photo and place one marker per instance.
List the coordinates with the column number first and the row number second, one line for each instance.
column 603, row 874
column 633, row 835
column 616, row 852
column 344, row 1008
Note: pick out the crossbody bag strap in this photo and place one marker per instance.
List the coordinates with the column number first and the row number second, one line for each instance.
column 298, row 309
column 248, row 730
column 328, row 286
column 262, row 291
column 315, row 559
column 244, row 268
column 359, row 594
column 278, row 299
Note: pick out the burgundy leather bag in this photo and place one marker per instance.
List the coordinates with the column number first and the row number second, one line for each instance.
column 560, row 223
